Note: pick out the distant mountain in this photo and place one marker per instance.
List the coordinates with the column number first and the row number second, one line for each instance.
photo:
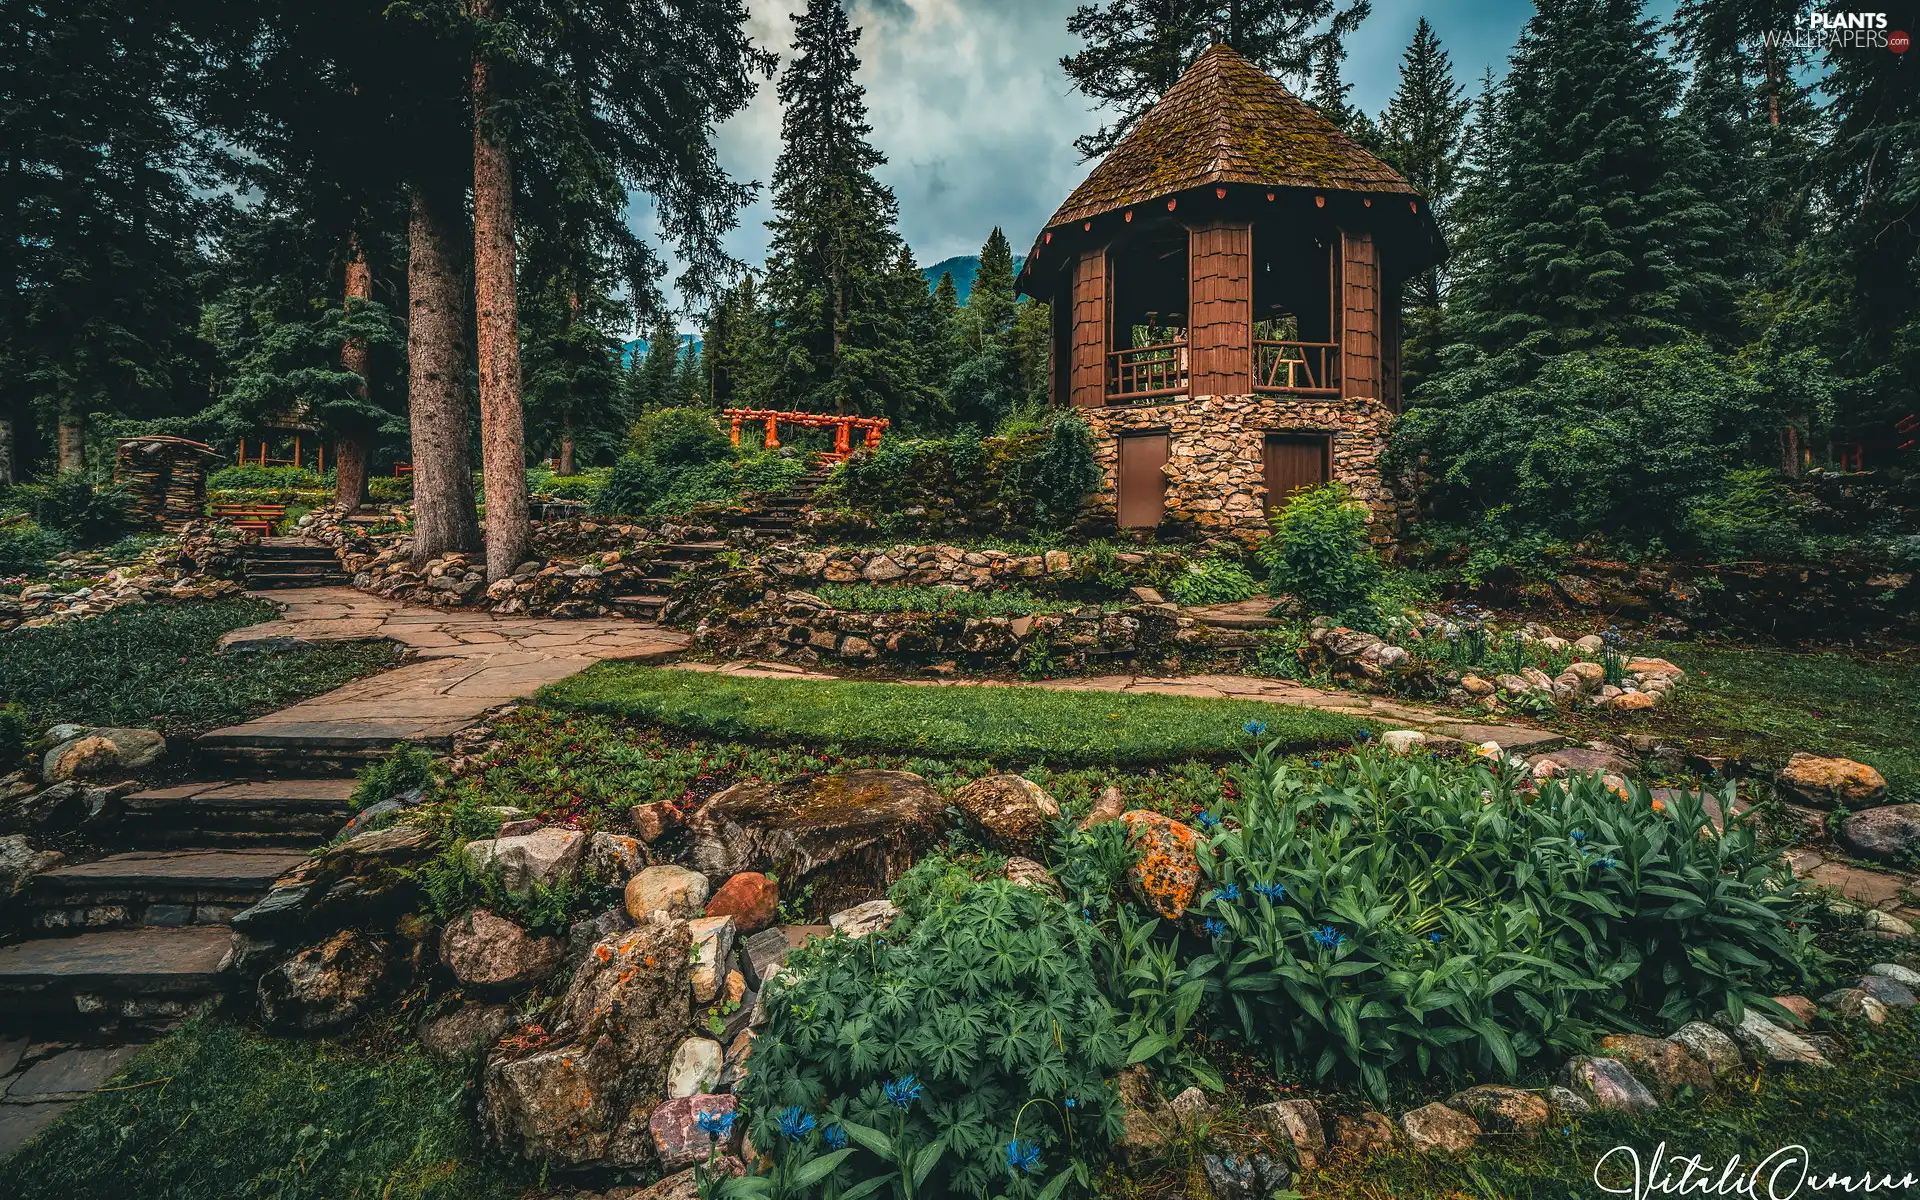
column 637, row 348
column 963, row 267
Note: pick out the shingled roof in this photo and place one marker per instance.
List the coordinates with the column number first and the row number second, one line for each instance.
column 1226, row 121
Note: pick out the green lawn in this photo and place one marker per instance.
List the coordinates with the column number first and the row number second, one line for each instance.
column 216, row 1111
column 1766, row 703
column 156, row 666
column 1005, row 724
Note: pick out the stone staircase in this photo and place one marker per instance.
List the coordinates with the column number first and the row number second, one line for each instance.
column 129, row 943
column 773, row 518
column 290, row 562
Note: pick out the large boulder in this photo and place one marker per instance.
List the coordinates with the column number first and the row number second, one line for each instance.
column 1666, row 1066
column 1720, row 1053
column 1297, row 1122
column 846, row 834
column 539, row 859
column 98, row 753
column 492, row 954
column 1885, row 833
column 695, row 1067
column 1832, row 782
column 325, row 986
column 750, row 898
column 613, row 859
column 1503, row 1109
column 585, row 1100
column 65, row 805
column 1015, row 813
column 1435, row 1127
column 19, row 862
column 1608, row 1085
column 675, row 1128
column 466, row 1029
column 674, row 891
column 1771, row 1046
column 1167, row 872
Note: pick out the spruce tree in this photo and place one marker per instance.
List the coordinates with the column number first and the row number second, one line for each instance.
column 1587, row 227
column 945, row 336
column 1327, row 92
column 987, row 384
column 831, row 270
column 1136, row 49
column 1424, row 134
column 652, row 377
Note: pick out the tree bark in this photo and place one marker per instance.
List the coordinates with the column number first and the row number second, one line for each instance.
column 6, row 451
column 503, row 435
column 566, row 444
column 70, row 440
column 349, row 446
column 443, row 512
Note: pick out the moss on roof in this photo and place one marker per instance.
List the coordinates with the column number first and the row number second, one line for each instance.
column 1226, row 121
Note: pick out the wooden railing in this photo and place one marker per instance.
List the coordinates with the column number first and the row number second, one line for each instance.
column 842, row 426
column 1147, row 371
column 1306, row 368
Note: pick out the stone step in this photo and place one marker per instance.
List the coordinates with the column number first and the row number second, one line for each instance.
column 155, row 887
column 319, row 747
column 142, row 977
column 287, row 550
column 295, row 566
column 295, row 812
column 645, row 607
column 259, row 581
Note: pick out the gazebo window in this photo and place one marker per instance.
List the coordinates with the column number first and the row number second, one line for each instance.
column 1294, row 340
column 1147, row 355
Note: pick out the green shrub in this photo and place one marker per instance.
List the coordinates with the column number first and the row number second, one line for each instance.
column 25, row 546
column 16, row 732
column 408, row 767
column 631, row 486
column 1213, row 580
column 71, row 505
column 1752, row 513
column 1063, row 474
column 680, row 437
column 584, row 486
column 1405, row 915
column 971, row 1040
column 388, row 490
column 249, row 477
column 1319, row 553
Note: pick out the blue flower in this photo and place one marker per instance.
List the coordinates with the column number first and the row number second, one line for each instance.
column 1328, row 936
column 1577, row 835
column 835, row 1137
column 1272, row 891
column 795, row 1123
column 1207, row 820
column 1022, row 1156
column 901, row 1093
column 1607, row 863
column 1436, row 937
column 1363, row 735
column 1227, row 891
column 1072, row 1103
column 716, row 1124
column 1256, row 728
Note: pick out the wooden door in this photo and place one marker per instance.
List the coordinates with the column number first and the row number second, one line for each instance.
column 1142, row 483
column 1294, row 461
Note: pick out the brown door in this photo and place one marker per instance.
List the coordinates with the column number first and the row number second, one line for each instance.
column 1143, row 486
column 1295, row 461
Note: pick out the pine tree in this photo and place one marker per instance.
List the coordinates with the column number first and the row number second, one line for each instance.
column 831, row 274
column 1136, row 49
column 987, row 383
column 1424, row 134
column 1586, row 227
column 1328, row 93
column 653, row 373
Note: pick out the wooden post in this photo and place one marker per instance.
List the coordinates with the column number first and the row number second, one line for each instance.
column 296, row 450
column 1359, row 317
column 773, row 433
column 842, row 437
column 1220, row 309
column 1087, row 376
column 736, row 429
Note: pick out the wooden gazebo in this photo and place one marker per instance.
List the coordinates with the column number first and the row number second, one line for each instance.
column 1232, row 268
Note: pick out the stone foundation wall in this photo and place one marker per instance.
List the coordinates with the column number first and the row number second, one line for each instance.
column 1216, row 455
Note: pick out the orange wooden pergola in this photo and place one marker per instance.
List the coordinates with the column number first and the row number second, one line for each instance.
column 842, row 426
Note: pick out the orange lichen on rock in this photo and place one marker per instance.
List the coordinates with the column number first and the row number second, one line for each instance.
column 1168, row 871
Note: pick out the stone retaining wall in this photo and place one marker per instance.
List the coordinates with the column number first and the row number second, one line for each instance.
column 800, row 627
column 1216, row 455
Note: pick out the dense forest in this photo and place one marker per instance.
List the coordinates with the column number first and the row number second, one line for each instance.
column 1684, row 258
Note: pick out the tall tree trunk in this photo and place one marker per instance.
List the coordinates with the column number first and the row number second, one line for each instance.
column 70, row 439
column 503, row 435
column 443, row 513
column 566, row 444
column 6, row 451
column 350, row 445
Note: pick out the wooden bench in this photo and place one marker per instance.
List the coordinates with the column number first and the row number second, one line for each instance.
column 251, row 518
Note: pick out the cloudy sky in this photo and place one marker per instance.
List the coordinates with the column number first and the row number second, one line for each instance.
column 977, row 121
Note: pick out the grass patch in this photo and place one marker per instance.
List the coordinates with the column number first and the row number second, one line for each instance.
column 1862, row 1116
column 156, row 666
column 215, row 1110
column 1005, row 724
column 1764, row 703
